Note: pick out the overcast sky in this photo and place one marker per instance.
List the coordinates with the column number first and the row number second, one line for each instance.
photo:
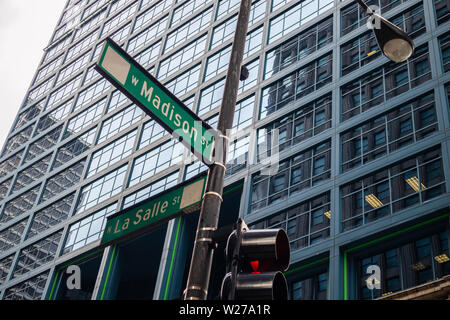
column 25, row 30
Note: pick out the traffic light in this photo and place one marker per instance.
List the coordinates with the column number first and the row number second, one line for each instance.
column 255, row 260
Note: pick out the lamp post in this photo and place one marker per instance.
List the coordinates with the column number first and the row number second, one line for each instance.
column 202, row 254
column 393, row 41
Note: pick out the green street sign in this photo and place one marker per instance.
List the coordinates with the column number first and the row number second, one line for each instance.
column 149, row 94
column 181, row 199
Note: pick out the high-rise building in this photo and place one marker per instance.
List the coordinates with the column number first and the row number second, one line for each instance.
column 363, row 176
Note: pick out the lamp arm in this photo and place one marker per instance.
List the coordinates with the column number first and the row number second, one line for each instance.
column 365, row 7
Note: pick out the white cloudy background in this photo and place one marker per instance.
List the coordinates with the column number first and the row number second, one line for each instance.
column 25, row 30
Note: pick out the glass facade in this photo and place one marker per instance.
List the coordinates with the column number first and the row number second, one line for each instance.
column 362, row 149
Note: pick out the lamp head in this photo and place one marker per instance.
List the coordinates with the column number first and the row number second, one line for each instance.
column 393, row 41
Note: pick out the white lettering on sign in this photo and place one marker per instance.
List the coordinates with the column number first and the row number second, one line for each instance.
column 168, row 111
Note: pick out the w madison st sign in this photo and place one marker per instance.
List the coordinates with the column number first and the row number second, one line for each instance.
column 151, row 96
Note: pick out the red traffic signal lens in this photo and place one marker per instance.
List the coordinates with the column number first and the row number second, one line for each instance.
column 255, row 266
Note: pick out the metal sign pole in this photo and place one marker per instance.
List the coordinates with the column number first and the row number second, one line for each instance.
column 202, row 255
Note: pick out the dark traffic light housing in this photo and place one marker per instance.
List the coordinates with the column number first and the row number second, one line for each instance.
column 255, row 260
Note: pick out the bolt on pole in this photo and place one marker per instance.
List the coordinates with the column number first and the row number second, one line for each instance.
column 202, row 255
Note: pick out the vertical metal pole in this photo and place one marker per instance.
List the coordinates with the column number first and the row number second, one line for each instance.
column 202, row 255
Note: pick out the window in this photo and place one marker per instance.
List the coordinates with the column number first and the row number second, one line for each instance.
column 54, row 117
column 237, row 157
column 50, row 216
column 307, row 121
column 380, row 138
column 120, row 121
column 101, row 189
column 151, row 190
column 295, row 17
column 405, row 126
column 43, row 144
column 31, row 289
column 56, row 48
column 411, row 21
column 304, row 222
column 118, row 19
column 85, row 118
column 186, row 9
column 211, row 97
column 253, row 42
column 319, row 118
column 442, row 8
column 319, row 165
column 156, row 160
column 406, row 265
column 31, row 174
column 194, row 169
column 243, row 114
column 74, row 148
column 359, row 52
column 296, row 85
column 90, row 24
column 294, row 174
column 5, row 266
column 72, row 68
column 10, row 164
column 62, row 181
column 111, row 153
column 391, row 131
column 93, row 8
column 149, row 34
column 91, row 93
column 252, row 79
column 414, row 180
column 88, row 229
column 257, row 11
column 20, row 204
column 181, row 58
column 223, row 32
column 64, row 91
column 12, row 236
column 150, row 14
column 151, row 132
column 444, row 43
column 82, row 45
column 298, row 47
column 40, row 90
column 4, row 188
column 17, row 140
column 37, row 254
column 117, row 99
column 28, row 115
column 226, row 6
column 185, row 82
column 47, row 69
column 217, row 63
column 187, row 30
column 354, row 16
column 149, row 55
column 367, row 92
column 401, row 78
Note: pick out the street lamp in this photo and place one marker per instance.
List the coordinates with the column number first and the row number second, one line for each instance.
column 393, row 41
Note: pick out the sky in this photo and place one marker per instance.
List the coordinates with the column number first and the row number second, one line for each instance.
column 25, row 30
